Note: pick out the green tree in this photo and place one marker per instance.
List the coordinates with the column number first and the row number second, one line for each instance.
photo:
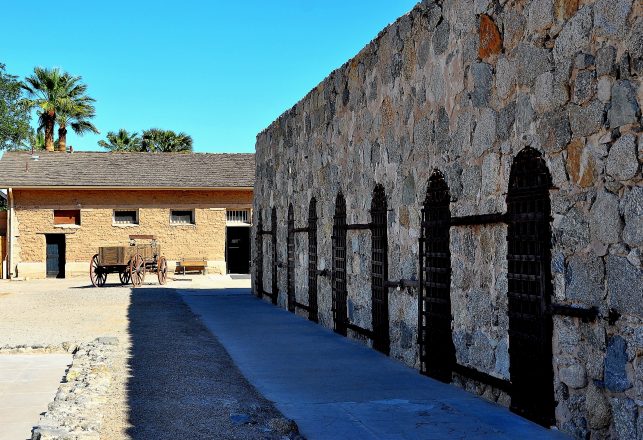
column 62, row 99
column 76, row 109
column 156, row 140
column 123, row 140
column 14, row 114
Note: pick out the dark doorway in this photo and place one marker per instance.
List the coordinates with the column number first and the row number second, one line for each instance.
column 340, row 312
column 312, row 260
column 259, row 263
column 437, row 353
column 238, row 249
column 530, row 288
column 290, row 273
column 275, row 263
column 379, row 270
column 55, row 255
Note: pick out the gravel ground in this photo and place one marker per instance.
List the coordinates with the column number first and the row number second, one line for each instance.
column 171, row 378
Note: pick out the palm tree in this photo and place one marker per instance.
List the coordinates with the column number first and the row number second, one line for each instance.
column 76, row 108
column 56, row 92
column 122, row 141
column 156, row 140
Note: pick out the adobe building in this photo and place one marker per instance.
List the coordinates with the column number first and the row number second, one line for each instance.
column 63, row 206
column 465, row 195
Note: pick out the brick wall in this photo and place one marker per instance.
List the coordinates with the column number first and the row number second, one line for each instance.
column 204, row 239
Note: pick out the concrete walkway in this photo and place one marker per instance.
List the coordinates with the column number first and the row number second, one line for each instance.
column 27, row 384
column 335, row 388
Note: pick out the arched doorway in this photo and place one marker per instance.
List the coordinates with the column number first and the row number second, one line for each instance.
column 312, row 260
column 290, row 272
column 340, row 313
column 530, row 288
column 437, row 352
column 379, row 270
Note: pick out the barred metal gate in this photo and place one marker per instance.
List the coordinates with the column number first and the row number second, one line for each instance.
column 340, row 314
column 437, row 353
column 259, row 266
column 275, row 285
column 530, row 288
column 290, row 274
column 312, row 260
column 379, row 270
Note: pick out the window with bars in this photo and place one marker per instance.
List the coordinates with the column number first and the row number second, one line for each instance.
column 182, row 217
column 238, row 216
column 126, row 217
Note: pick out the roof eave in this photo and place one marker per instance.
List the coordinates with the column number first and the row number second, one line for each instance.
column 108, row 187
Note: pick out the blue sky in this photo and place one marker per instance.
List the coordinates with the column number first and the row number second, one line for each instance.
column 220, row 71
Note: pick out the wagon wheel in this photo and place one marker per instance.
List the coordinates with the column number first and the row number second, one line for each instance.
column 162, row 270
column 137, row 270
column 96, row 274
column 124, row 276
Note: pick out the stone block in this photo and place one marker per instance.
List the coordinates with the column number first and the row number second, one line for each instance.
column 540, row 15
column 490, row 39
column 584, row 276
column 625, row 415
column 572, row 230
column 624, row 286
column 604, row 89
column 581, row 164
column 554, row 131
column 605, row 222
column 586, row 120
column 605, row 61
column 505, row 122
column 573, row 376
column 505, row 77
column 484, row 135
column 441, row 37
column 610, row 16
column 531, row 61
column 525, row 114
column 622, row 163
column 599, row 411
column 482, row 81
column 584, row 86
column 564, row 9
column 632, row 208
column 624, row 108
column 574, row 36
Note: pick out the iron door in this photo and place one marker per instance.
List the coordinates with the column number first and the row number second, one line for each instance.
column 379, row 270
column 238, row 249
column 340, row 312
column 55, row 255
column 437, row 352
column 530, row 289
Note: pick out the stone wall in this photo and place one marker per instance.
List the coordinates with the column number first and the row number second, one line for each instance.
column 463, row 86
column 204, row 239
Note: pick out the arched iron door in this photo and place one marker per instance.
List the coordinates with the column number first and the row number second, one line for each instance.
column 437, row 353
column 312, row 260
column 290, row 275
column 259, row 265
column 275, row 285
column 340, row 313
column 379, row 270
column 530, row 288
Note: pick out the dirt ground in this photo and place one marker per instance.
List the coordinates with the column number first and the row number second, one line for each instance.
column 50, row 312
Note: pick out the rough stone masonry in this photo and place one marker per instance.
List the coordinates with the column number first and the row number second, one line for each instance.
column 463, row 87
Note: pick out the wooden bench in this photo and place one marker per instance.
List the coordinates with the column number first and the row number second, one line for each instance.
column 192, row 264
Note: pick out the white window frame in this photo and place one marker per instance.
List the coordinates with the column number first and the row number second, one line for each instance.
column 125, row 224
column 192, row 223
column 239, row 217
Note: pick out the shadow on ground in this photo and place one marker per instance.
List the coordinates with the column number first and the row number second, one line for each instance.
column 183, row 384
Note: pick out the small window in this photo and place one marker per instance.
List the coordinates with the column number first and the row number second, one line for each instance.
column 238, row 215
column 182, row 217
column 67, row 217
column 129, row 217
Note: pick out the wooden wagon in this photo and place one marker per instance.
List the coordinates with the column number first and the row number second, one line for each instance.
column 130, row 262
